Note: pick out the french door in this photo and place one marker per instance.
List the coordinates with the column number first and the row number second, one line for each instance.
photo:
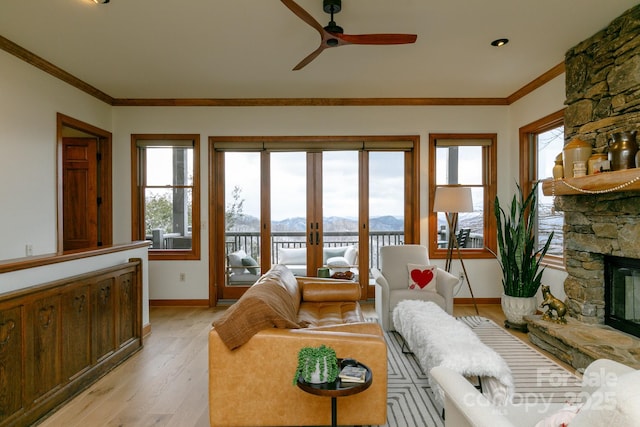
column 308, row 204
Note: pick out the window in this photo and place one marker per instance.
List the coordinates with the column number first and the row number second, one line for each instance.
column 540, row 143
column 467, row 160
column 166, row 194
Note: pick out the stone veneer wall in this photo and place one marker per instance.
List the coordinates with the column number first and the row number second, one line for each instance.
column 603, row 97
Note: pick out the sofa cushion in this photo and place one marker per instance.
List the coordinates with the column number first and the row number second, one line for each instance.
column 267, row 304
column 615, row 403
column 328, row 292
column 235, row 260
column 330, row 252
column 315, row 314
column 250, row 262
column 295, row 256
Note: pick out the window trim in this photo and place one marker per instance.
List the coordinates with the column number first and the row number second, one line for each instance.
column 137, row 201
column 490, row 191
column 528, row 164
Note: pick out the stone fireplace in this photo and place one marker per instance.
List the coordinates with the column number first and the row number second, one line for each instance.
column 595, row 226
column 601, row 213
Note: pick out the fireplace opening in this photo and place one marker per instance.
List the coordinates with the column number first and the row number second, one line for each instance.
column 622, row 294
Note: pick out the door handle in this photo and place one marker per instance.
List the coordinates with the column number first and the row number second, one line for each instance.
column 311, row 238
column 317, row 238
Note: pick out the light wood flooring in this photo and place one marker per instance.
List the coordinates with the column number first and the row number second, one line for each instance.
column 165, row 384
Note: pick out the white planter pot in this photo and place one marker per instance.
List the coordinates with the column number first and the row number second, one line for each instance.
column 320, row 374
column 515, row 308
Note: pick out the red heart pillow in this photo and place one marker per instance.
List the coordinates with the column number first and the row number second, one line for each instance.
column 422, row 277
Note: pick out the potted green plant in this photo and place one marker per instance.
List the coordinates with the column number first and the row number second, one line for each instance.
column 316, row 365
column 519, row 256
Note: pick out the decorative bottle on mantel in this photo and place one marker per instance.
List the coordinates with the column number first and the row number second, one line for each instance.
column 558, row 169
column 622, row 150
column 575, row 151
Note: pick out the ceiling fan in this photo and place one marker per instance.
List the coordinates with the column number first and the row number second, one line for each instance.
column 333, row 35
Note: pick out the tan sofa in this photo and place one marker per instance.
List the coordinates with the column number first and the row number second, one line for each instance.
column 253, row 352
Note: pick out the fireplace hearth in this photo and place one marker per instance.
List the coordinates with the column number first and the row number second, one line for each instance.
column 622, row 294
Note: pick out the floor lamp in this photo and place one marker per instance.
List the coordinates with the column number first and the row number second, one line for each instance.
column 452, row 200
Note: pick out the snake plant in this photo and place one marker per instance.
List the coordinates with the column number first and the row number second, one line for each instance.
column 519, row 255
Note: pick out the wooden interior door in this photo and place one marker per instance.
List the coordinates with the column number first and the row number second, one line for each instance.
column 80, row 193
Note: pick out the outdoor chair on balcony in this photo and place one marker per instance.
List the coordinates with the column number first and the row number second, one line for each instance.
column 242, row 269
column 395, row 283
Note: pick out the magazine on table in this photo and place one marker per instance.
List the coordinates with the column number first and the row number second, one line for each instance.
column 353, row 374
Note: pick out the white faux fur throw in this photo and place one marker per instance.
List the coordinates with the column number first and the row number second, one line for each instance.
column 438, row 339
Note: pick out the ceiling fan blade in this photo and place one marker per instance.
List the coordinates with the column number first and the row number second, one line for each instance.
column 304, row 15
column 313, row 55
column 377, row 39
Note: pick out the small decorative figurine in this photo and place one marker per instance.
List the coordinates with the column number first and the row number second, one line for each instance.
column 554, row 305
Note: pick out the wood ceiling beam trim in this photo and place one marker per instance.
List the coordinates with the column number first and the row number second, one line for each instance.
column 302, row 102
column 46, row 66
column 536, row 83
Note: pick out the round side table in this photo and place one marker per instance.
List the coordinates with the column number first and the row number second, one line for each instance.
column 337, row 389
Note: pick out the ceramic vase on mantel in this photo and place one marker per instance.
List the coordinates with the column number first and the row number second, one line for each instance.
column 515, row 308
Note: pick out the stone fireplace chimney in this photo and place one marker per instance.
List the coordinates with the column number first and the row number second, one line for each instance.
column 603, row 97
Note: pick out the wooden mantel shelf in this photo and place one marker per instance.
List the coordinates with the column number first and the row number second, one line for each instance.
column 605, row 182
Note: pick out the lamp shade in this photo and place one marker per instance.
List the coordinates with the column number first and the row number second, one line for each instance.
column 453, row 199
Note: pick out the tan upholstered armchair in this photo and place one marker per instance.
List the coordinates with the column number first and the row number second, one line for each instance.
column 392, row 282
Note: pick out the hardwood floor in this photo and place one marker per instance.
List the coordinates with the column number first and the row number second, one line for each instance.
column 165, row 384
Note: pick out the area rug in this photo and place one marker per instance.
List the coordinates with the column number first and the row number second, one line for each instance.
column 410, row 400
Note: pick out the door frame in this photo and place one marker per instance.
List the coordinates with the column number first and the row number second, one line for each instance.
column 66, row 124
column 310, row 143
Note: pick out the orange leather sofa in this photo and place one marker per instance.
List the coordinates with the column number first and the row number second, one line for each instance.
column 251, row 372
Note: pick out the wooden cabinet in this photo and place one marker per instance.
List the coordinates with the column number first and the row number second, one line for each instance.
column 58, row 338
column 11, row 349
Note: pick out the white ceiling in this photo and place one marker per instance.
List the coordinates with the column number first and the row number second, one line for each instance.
column 247, row 48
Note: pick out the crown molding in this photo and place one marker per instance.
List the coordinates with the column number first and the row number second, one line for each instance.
column 46, row 66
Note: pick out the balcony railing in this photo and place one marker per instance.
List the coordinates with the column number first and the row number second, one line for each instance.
column 249, row 241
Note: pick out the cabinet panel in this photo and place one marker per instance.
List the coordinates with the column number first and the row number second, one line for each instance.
column 11, row 348
column 59, row 337
column 127, row 308
column 104, row 317
column 43, row 347
column 76, row 331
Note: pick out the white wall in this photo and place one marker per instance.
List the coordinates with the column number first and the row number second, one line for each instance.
column 544, row 101
column 28, row 168
column 30, row 100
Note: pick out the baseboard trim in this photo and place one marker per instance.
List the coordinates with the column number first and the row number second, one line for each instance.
column 178, row 303
column 468, row 301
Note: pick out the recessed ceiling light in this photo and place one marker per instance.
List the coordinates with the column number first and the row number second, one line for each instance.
column 499, row 42
column 101, row 1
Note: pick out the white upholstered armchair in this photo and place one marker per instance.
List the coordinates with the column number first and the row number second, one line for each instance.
column 392, row 282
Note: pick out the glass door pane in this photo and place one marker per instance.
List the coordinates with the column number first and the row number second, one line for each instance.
column 289, row 210
column 386, row 202
column 340, row 211
column 242, row 218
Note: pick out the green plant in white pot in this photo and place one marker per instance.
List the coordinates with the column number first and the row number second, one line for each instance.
column 317, row 365
column 519, row 255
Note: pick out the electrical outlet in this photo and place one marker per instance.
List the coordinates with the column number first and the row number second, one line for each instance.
column 28, row 249
column 183, row 277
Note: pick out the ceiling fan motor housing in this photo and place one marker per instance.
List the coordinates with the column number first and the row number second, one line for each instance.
column 332, row 6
